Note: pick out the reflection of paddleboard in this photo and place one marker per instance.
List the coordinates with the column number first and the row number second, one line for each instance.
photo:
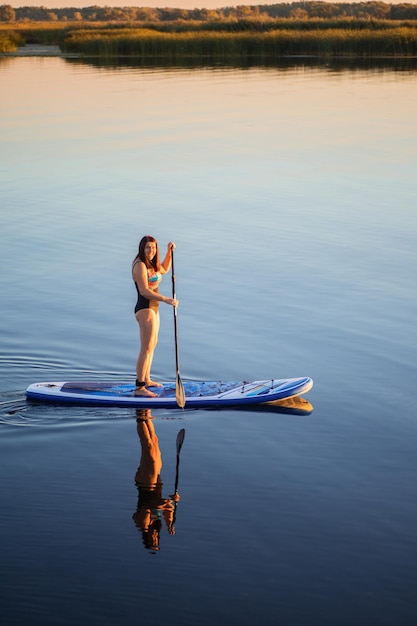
column 199, row 394
column 295, row 406
column 289, row 406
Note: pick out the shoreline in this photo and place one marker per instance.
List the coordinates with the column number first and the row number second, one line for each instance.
column 54, row 51
column 40, row 50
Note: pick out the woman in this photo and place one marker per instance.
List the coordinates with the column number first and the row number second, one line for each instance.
column 152, row 508
column 147, row 273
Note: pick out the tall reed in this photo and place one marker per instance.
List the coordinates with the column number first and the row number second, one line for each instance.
column 400, row 41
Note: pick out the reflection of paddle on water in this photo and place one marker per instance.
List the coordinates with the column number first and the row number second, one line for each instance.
column 152, row 508
column 180, row 441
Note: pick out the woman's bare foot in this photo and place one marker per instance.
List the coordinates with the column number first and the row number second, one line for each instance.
column 152, row 383
column 142, row 391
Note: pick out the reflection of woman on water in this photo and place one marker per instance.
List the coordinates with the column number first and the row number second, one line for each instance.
column 152, row 508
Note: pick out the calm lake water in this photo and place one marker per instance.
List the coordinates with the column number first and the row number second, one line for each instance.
column 291, row 195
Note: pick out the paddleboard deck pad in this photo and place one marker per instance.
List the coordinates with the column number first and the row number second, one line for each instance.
column 199, row 394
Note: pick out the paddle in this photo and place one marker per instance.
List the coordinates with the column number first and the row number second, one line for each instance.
column 179, row 387
column 180, row 441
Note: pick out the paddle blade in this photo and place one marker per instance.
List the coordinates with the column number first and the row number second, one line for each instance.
column 180, row 439
column 179, row 392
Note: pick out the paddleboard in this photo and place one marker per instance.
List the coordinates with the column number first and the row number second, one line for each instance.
column 199, row 394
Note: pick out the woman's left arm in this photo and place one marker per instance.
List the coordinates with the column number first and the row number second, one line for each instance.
column 166, row 263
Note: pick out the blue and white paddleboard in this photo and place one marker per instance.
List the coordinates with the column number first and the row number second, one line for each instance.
column 199, row 394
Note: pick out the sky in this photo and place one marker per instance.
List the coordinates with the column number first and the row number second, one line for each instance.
column 179, row 4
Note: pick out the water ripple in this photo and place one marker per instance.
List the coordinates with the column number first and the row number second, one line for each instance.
column 28, row 361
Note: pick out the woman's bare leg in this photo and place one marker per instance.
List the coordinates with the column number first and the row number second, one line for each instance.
column 149, row 382
column 148, row 323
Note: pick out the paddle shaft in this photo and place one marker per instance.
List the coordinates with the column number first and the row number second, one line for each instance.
column 177, row 361
column 179, row 388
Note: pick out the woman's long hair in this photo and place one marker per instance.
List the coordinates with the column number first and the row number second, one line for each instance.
column 155, row 263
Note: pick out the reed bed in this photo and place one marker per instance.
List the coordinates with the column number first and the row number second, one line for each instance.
column 263, row 39
column 130, row 42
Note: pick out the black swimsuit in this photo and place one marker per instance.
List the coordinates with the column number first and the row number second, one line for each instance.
column 154, row 278
column 144, row 303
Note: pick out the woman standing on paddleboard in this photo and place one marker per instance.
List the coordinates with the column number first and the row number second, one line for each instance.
column 147, row 271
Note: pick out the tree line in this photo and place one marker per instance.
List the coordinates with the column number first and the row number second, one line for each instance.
column 291, row 10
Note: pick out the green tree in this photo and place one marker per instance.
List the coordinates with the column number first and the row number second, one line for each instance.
column 7, row 13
